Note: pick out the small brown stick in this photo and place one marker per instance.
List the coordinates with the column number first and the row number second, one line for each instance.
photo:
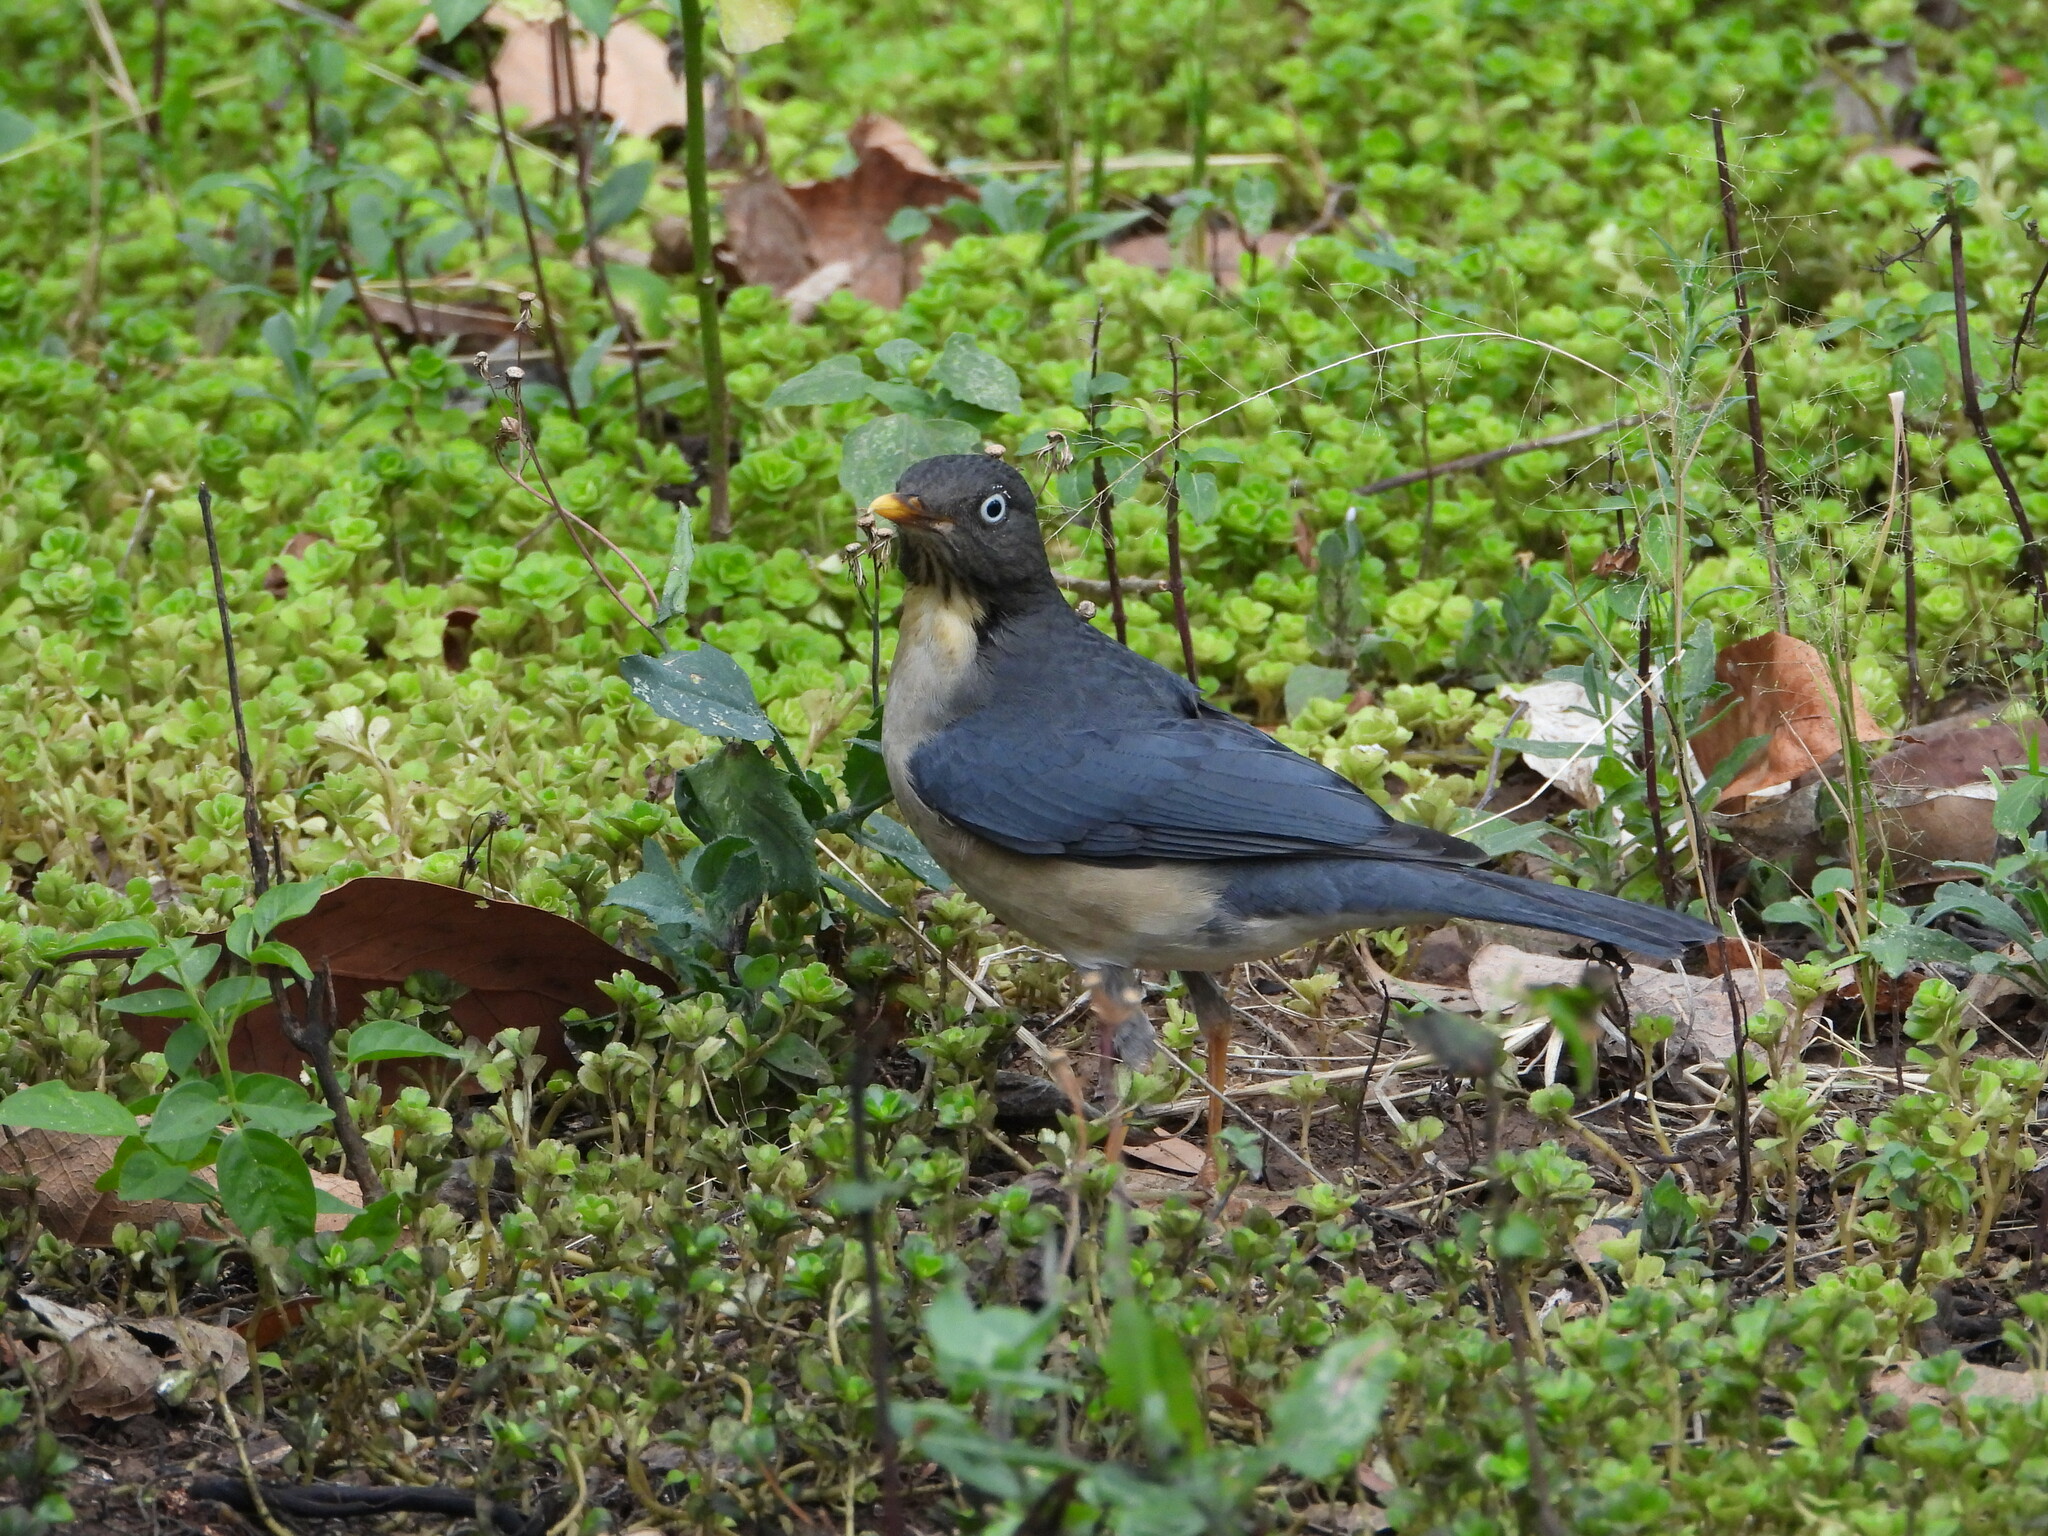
column 252, row 820
column 159, row 60
column 1758, row 470
column 1099, row 508
column 540, row 281
column 2019, row 339
column 1473, row 461
column 2031, row 565
column 1176, row 579
column 600, row 277
column 312, row 1034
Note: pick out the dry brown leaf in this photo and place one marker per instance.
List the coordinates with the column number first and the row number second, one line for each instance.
column 640, row 94
column 767, row 237
column 1781, row 691
column 1171, row 1153
column 1981, row 1386
column 95, row 1365
column 200, row 1346
column 1934, row 795
column 524, row 967
column 1586, row 1246
column 1910, row 158
column 847, row 218
column 65, row 1166
column 1501, row 974
column 1156, row 252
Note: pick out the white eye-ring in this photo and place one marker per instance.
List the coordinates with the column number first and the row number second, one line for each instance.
column 994, row 508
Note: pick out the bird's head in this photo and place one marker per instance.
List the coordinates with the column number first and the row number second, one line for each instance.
column 968, row 522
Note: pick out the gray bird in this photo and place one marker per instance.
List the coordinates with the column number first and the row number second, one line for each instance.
column 1094, row 802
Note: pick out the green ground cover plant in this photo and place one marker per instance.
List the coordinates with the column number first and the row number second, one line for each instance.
column 770, row 1246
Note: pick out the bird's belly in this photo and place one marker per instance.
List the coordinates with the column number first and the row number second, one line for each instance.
column 1162, row 916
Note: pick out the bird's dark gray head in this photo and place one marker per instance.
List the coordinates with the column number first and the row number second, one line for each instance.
column 968, row 522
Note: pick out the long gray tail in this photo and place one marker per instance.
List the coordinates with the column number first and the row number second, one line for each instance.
column 1380, row 893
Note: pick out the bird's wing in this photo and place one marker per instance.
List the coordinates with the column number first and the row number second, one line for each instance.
column 1197, row 786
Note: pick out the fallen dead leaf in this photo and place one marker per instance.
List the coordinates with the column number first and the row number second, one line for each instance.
column 199, row 1346
column 640, row 94
column 1980, row 1385
column 1157, row 253
column 1586, row 1246
column 1782, row 692
column 1171, row 1153
column 1736, row 955
column 458, row 633
column 767, row 239
column 1910, row 158
column 95, row 1365
column 847, row 218
column 1560, row 711
column 65, row 1167
column 1622, row 560
column 275, row 582
column 1698, row 1005
column 524, row 967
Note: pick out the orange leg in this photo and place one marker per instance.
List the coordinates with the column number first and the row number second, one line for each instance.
column 1214, row 1013
column 1116, row 996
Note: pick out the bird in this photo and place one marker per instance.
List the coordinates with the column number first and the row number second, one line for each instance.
column 1097, row 804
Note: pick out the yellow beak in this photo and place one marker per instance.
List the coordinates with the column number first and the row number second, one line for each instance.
column 898, row 509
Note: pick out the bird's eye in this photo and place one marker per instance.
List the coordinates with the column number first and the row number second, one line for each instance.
column 994, row 508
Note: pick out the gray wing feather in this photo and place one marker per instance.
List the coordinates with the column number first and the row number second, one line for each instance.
column 1204, row 785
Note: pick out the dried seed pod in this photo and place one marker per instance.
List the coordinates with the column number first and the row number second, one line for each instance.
column 1086, row 609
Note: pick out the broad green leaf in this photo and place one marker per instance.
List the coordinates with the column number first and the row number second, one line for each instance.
column 16, row 131
column 60, row 1107
column 282, row 903
column 866, row 775
column 232, row 996
column 898, row 353
column 657, row 892
column 876, row 453
column 265, row 1186
column 978, row 377
column 747, row 25
column 186, row 1119
column 276, row 952
column 1199, row 498
column 157, row 1002
column 377, row 1225
column 1309, row 681
column 728, row 880
column 122, row 935
column 1899, row 948
column 704, row 689
column 325, row 1204
column 1461, row 1045
column 452, row 17
column 793, row 1054
column 395, row 1040
column 594, row 16
column 1255, row 199
column 901, row 844
column 144, row 1173
column 737, row 792
column 835, row 381
column 1332, row 1407
column 873, row 905
column 1147, row 1376
column 619, row 196
column 2019, row 806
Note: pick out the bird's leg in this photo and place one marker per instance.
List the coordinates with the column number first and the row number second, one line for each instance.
column 1115, row 994
column 1214, row 1013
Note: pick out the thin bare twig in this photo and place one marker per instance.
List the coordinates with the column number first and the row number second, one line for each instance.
column 1100, row 507
column 1758, row 470
column 2031, row 565
column 1176, row 577
column 1472, row 461
column 540, row 281
column 252, row 819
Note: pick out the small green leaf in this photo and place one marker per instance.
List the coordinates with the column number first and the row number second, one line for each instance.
column 186, row 1119
column 1333, row 1406
column 395, row 1040
column 157, row 1002
column 265, row 1186
column 378, row 1225
column 793, row 1054
column 16, row 131
column 283, row 903
column 126, row 934
column 60, row 1107
column 619, row 196
column 978, row 377
column 593, row 16
column 737, row 792
column 1458, row 1044
column 835, row 381
column 1309, row 681
column 901, row 844
column 452, row 17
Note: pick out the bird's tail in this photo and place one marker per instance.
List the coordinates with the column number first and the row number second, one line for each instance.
column 1377, row 893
